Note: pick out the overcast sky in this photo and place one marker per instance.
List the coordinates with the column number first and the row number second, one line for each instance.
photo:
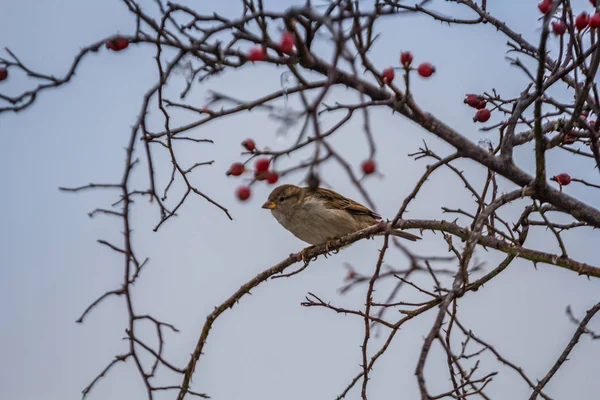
column 268, row 346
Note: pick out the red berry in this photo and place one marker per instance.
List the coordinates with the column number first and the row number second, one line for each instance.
column 236, row 169
column 272, row 177
column 406, row 58
column 569, row 139
column 262, row 164
column 368, row 167
column 3, row 74
column 117, row 44
column 595, row 21
column 256, row 54
column 243, row 193
column 562, row 179
column 472, row 100
column 592, row 122
column 387, row 75
column 287, row 43
column 482, row 115
column 544, row 6
column 426, row 70
column 475, row 101
column 582, row 21
column 559, row 28
column 249, row 144
column 122, row 44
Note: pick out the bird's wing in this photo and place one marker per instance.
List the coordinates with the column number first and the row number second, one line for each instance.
column 334, row 200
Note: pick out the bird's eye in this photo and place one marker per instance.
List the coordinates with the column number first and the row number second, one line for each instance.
column 281, row 199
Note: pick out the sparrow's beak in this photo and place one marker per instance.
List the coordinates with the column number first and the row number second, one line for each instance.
column 269, row 205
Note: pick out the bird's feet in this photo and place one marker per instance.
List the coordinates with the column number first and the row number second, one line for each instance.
column 302, row 256
column 328, row 247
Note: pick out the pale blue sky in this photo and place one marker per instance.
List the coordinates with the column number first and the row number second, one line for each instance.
column 267, row 347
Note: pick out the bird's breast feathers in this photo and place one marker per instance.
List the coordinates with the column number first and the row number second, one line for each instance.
column 314, row 223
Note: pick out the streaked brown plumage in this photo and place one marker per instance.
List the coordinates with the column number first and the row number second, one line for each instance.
column 321, row 215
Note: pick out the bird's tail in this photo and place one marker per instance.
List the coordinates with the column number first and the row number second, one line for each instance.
column 406, row 235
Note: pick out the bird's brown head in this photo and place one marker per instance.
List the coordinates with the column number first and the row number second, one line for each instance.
column 283, row 196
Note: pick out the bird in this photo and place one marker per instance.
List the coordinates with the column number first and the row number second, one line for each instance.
column 317, row 216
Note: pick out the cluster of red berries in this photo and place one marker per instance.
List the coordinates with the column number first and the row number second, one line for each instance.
column 261, row 171
column 3, row 74
column 406, row 58
column 287, row 45
column 582, row 21
column 479, row 103
column 117, row 44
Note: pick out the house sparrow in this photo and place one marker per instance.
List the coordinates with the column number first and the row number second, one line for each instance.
column 318, row 216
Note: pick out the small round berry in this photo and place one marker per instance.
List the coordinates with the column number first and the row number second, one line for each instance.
column 243, row 193
column 387, row 75
column 262, row 164
column 426, row 70
column 287, row 43
column 559, row 28
column 544, row 6
column 592, row 122
column 569, row 139
column 595, row 21
column 582, row 21
column 257, row 54
column 482, row 115
column 406, row 58
column 249, row 144
column 368, row 167
column 122, row 44
column 117, row 44
column 272, row 177
column 3, row 74
column 562, row 179
column 471, row 100
column 236, row 169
